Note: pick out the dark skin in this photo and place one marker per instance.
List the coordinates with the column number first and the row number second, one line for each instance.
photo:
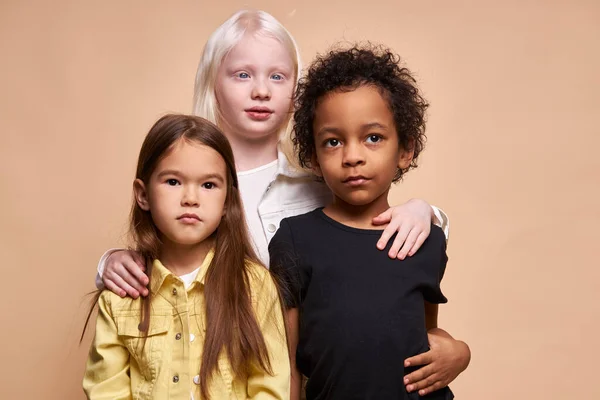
column 355, row 134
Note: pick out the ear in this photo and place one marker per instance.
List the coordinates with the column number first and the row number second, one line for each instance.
column 141, row 194
column 406, row 156
column 315, row 166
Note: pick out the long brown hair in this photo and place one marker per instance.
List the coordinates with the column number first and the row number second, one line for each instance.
column 230, row 320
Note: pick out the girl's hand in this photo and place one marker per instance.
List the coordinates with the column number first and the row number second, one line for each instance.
column 412, row 221
column 124, row 274
column 441, row 365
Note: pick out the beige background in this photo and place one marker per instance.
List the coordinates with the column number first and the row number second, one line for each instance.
column 512, row 158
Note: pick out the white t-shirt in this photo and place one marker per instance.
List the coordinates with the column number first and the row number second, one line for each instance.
column 253, row 184
column 188, row 279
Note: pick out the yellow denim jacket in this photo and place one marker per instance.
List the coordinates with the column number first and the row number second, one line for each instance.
column 168, row 365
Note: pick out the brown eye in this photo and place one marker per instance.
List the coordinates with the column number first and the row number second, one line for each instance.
column 374, row 138
column 332, row 143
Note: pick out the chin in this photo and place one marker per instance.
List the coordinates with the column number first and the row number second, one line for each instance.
column 259, row 131
column 357, row 199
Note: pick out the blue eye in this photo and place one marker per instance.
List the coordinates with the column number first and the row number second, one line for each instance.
column 243, row 75
column 374, row 138
column 332, row 143
column 172, row 182
column 277, row 77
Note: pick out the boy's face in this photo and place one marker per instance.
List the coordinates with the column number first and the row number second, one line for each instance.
column 357, row 148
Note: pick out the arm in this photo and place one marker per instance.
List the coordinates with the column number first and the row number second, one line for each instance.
column 122, row 272
column 412, row 223
column 262, row 384
column 286, row 273
column 292, row 319
column 107, row 368
column 447, row 357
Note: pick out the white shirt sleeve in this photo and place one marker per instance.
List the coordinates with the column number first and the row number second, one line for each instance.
column 101, row 266
column 442, row 221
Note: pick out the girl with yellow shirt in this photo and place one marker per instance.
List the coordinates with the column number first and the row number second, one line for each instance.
column 212, row 324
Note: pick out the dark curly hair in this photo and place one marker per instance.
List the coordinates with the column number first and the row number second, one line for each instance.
column 348, row 69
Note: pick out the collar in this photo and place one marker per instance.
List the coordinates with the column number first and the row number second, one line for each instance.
column 160, row 273
column 285, row 168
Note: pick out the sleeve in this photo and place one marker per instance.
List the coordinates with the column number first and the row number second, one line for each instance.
column 107, row 367
column 101, row 266
column 442, row 221
column 269, row 314
column 438, row 261
column 284, row 265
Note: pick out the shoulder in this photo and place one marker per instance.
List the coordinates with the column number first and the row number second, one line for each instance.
column 115, row 305
column 261, row 282
column 437, row 235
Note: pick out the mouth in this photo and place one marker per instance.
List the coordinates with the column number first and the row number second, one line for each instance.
column 356, row 180
column 259, row 113
column 188, row 218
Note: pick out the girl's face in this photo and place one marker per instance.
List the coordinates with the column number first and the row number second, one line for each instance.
column 254, row 87
column 186, row 193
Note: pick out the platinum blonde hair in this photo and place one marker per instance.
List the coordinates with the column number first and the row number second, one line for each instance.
column 222, row 40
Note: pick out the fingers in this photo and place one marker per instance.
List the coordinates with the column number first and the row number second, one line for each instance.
column 419, row 359
column 388, row 232
column 110, row 285
column 132, row 274
column 138, row 260
column 121, row 286
column 409, row 243
column 418, row 243
column 383, row 218
column 140, row 279
column 427, row 385
column 122, row 279
column 401, row 237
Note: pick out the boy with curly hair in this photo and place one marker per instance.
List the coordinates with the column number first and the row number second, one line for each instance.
column 354, row 314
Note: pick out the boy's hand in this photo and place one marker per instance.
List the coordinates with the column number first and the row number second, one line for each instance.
column 124, row 274
column 412, row 221
column 441, row 365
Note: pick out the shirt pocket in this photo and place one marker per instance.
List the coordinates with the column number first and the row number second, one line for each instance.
column 146, row 350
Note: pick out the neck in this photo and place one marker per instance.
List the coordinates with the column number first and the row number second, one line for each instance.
column 183, row 259
column 358, row 216
column 253, row 153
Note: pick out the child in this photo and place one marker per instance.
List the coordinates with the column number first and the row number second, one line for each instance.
column 244, row 84
column 211, row 325
column 355, row 314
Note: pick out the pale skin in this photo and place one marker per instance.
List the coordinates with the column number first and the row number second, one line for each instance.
column 259, row 72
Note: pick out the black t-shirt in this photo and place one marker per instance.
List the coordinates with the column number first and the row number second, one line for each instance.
column 361, row 313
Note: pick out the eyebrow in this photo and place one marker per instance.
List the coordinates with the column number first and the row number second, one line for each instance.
column 218, row 177
column 364, row 127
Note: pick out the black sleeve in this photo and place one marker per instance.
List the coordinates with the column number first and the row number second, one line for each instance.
column 433, row 293
column 284, row 265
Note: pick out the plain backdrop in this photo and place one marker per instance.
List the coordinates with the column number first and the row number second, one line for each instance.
column 511, row 157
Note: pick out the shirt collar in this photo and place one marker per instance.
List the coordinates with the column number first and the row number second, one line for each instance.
column 160, row 273
column 285, row 168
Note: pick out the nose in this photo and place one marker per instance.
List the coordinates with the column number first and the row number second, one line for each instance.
column 353, row 155
column 261, row 90
column 190, row 197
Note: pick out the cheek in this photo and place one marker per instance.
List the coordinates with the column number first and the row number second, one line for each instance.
column 284, row 97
